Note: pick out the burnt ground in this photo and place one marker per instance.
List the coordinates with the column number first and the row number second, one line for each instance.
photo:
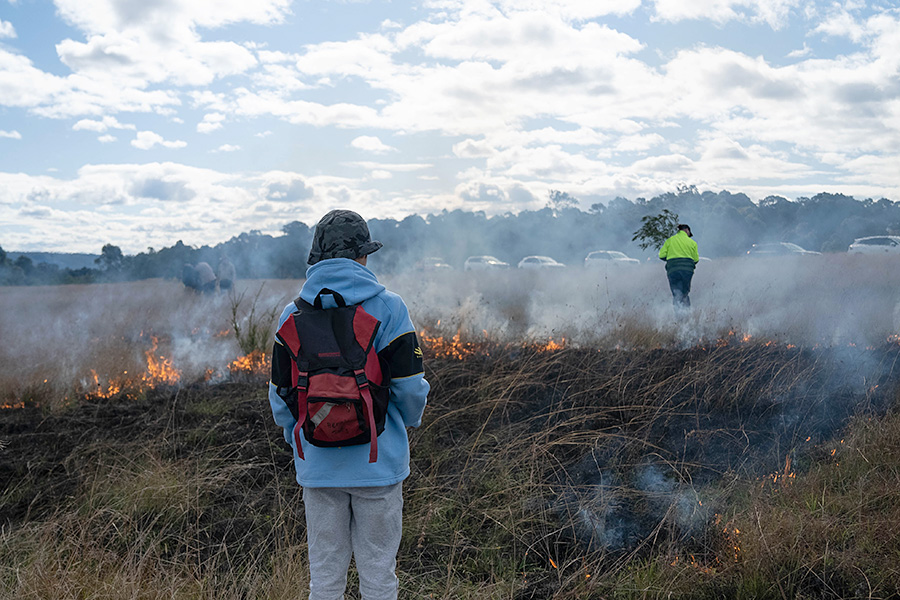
column 48, row 457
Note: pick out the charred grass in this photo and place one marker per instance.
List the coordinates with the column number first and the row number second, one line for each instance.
column 734, row 470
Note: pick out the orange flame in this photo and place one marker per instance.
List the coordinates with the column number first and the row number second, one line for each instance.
column 159, row 372
column 255, row 363
column 159, row 369
column 112, row 387
column 785, row 476
column 442, row 348
column 552, row 345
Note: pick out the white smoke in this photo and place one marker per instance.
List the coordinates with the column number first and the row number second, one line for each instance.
column 807, row 300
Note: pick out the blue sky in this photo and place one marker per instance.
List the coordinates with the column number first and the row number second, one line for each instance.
column 145, row 122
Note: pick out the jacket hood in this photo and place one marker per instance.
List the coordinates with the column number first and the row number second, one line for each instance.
column 347, row 277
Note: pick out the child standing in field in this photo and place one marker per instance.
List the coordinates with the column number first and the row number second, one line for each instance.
column 353, row 506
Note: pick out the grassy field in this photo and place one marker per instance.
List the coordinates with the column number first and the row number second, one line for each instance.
column 579, row 441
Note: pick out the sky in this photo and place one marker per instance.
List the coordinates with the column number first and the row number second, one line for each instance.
column 143, row 122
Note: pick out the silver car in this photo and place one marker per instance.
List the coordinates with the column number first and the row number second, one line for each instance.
column 539, row 262
column 779, row 249
column 606, row 258
column 876, row 244
column 484, row 263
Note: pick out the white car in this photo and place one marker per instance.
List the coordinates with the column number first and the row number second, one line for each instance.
column 779, row 249
column 539, row 262
column 484, row 263
column 432, row 263
column 602, row 258
column 876, row 244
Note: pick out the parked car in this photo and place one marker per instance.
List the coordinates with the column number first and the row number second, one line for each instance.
column 602, row 258
column 778, row 249
column 432, row 263
column 539, row 262
column 876, row 244
column 484, row 263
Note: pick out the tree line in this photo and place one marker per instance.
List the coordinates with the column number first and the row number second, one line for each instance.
column 723, row 223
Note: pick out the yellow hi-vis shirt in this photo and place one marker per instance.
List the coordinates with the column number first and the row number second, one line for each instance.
column 679, row 246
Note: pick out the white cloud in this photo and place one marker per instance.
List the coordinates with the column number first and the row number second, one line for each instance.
column 210, row 122
column 204, row 127
column 14, row 135
column 561, row 9
column 169, row 17
column 106, row 139
column 127, row 46
column 162, row 198
column 369, row 143
column 138, row 59
column 398, row 167
column 52, row 96
column 639, row 142
column 842, row 24
column 144, row 140
column 104, row 124
column 800, row 52
column 227, row 148
column 772, row 12
column 473, row 149
column 24, row 85
column 298, row 112
column 369, row 57
column 7, row 30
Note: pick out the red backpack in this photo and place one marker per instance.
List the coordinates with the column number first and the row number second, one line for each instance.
column 341, row 389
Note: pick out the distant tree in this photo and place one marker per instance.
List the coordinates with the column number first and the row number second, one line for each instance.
column 561, row 200
column 82, row 275
column 46, row 274
column 111, row 258
column 12, row 275
column 145, row 265
column 655, row 229
column 25, row 264
column 295, row 228
column 5, row 268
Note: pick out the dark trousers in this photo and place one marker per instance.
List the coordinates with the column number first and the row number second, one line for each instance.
column 680, row 284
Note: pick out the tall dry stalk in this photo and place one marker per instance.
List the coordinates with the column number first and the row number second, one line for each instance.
column 253, row 327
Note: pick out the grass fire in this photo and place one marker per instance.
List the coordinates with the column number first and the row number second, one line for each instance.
column 579, row 442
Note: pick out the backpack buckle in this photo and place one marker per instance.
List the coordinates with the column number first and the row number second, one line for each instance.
column 303, row 381
column 361, row 379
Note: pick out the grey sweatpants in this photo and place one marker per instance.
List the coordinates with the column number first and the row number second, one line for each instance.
column 365, row 522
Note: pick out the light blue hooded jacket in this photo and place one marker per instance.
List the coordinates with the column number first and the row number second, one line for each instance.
column 349, row 466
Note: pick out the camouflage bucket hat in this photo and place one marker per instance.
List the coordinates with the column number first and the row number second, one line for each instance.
column 341, row 234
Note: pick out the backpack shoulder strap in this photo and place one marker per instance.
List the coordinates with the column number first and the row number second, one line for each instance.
column 365, row 327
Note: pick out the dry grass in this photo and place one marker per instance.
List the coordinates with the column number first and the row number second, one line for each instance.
column 626, row 473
